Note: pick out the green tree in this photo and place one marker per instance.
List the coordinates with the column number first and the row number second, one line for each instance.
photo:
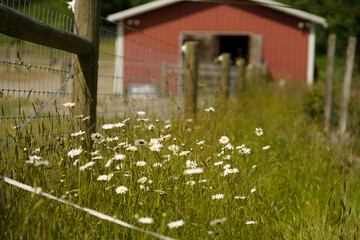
column 342, row 16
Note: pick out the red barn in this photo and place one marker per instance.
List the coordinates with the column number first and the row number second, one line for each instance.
column 257, row 30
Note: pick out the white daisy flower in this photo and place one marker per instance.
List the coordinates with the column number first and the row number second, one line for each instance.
column 191, row 164
column 94, row 153
column 200, row 142
column 108, row 163
column 251, row 222
column 224, row 140
column 119, row 157
column 240, row 197
column 150, row 127
column 241, row 146
column 190, row 183
column 173, row 148
column 74, row 152
column 156, row 147
column 119, row 125
column 69, row 104
column 140, row 163
column 121, row 189
column 105, row 177
column 227, row 157
column 217, row 196
column 245, row 150
column 111, row 139
column 227, row 166
column 266, row 147
column 142, row 180
column 167, row 126
column 210, row 109
column 176, row 224
column 108, row 126
column 75, row 134
column 87, row 165
column 253, row 190
column 154, row 141
column 157, row 164
column 218, row 163
column 34, row 158
column 259, row 131
column 146, row 220
column 229, row 146
column 184, row 153
column 126, row 120
column 131, row 148
column 142, row 119
column 159, row 191
column 141, row 113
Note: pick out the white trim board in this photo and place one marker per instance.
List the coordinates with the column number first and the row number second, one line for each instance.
column 119, row 60
column 311, row 57
column 147, row 7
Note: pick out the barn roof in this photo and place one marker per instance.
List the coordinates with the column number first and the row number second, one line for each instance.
column 266, row 3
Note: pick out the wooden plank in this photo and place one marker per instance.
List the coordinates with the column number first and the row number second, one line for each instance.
column 256, row 48
column 329, row 80
column 87, row 25
column 191, row 78
column 18, row 25
column 350, row 54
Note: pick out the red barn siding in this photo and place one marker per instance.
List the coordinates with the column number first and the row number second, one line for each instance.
column 285, row 47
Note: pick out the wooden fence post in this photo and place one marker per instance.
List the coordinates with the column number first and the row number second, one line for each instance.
column 225, row 77
column 164, row 78
column 329, row 80
column 87, row 25
column 350, row 54
column 191, row 78
column 240, row 81
column 249, row 75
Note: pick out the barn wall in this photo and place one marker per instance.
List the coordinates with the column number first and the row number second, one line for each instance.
column 285, row 46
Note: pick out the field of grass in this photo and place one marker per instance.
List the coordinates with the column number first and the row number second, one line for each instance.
column 300, row 188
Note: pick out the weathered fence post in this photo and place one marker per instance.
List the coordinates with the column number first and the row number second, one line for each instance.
column 240, row 80
column 329, row 80
column 164, row 78
column 191, row 78
column 350, row 54
column 249, row 75
column 87, row 25
column 225, row 77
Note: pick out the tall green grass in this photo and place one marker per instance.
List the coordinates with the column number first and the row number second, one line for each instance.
column 305, row 188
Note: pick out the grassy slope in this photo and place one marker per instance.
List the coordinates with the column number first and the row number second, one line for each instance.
column 304, row 191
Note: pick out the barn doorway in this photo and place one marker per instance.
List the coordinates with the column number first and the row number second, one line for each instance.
column 211, row 45
column 237, row 46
